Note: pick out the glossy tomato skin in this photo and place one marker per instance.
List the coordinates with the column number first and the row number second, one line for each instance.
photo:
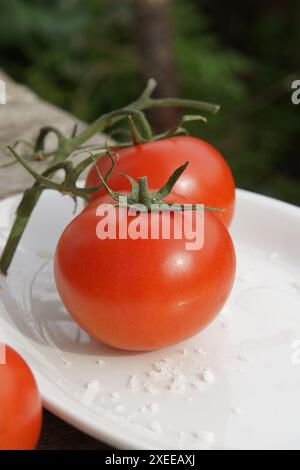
column 207, row 180
column 20, row 404
column 142, row 294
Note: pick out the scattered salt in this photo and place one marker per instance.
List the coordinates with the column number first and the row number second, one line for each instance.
column 179, row 383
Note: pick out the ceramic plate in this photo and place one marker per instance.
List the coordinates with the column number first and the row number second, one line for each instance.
column 234, row 386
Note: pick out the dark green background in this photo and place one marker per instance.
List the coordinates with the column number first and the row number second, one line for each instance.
column 82, row 55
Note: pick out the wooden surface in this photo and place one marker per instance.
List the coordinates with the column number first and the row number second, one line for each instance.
column 21, row 118
column 57, row 435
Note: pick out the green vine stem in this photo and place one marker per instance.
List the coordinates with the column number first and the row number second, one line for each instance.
column 66, row 148
column 29, row 201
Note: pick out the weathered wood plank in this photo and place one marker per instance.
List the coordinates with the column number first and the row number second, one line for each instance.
column 21, row 118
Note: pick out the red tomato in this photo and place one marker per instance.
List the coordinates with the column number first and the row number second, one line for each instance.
column 20, row 404
column 142, row 294
column 208, row 179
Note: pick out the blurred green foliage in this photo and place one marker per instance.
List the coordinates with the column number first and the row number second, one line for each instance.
column 82, row 55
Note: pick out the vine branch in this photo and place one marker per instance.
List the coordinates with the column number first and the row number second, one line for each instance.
column 67, row 146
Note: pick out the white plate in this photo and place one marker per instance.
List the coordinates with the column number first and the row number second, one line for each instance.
column 252, row 349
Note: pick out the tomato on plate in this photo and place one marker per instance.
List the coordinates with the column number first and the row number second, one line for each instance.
column 208, row 179
column 20, row 403
column 142, row 294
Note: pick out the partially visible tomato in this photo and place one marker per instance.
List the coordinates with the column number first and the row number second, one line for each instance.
column 208, row 179
column 20, row 404
column 142, row 294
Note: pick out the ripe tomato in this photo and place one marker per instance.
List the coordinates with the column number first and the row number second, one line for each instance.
column 208, row 179
column 142, row 294
column 20, row 404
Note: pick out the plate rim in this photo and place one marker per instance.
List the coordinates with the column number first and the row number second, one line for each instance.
column 114, row 436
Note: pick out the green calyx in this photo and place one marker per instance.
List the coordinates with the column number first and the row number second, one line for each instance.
column 146, row 200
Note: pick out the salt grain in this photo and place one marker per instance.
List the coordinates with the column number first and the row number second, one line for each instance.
column 100, row 362
column 206, row 437
column 200, row 352
column 198, row 384
column 179, row 383
column 119, row 408
column 296, row 285
column 273, row 255
column 243, row 358
column 184, row 352
column 115, row 396
column 93, row 385
column 66, row 363
column 155, row 427
column 134, row 383
column 207, row 376
column 143, row 409
column 154, row 407
column 148, row 387
column 90, row 393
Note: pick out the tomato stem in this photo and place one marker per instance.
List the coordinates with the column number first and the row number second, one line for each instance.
column 66, row 146
column 24, row 211
column 144, row 196
column 136, row 137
